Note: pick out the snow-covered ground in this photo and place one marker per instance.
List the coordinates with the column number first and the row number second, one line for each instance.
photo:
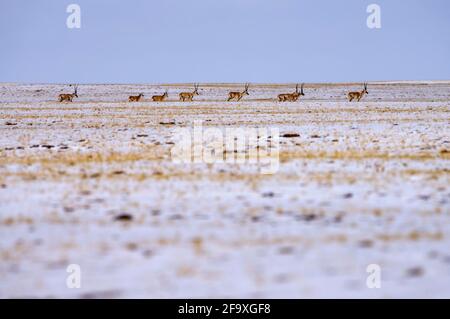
column 362, row 183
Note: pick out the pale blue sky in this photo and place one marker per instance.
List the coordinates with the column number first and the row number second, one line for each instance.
column 145, row 41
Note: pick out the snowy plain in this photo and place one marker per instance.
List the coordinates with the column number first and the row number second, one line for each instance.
column 358, row 183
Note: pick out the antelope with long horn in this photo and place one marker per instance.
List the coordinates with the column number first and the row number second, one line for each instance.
column 160, row 98
column 189, row 96
column 68, row 97
column 358, row 95
column 238, row 95
column 135, row 98
column 292, row 97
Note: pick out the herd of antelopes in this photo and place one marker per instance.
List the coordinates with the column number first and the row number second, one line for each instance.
column 232, row 96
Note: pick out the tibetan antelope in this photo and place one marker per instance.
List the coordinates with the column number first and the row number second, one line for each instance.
column 292, row 97
column 135, row 98
column 68, row 97
column 357, row 94
column 189, row 96
column 160, row 98
column 238, row 95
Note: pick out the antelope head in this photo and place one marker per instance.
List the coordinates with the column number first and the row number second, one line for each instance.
column 246, row 89
column 365, row 89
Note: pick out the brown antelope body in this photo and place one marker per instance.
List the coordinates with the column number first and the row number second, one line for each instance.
column 291, row 97
column 238, row 95
column 160, row 98
column 189, row 96
column 68, row 97
column 357, row 95
column 135, row 98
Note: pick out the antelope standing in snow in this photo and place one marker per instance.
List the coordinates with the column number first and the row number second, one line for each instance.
column 160, row 98
column 292, row 97
column 357, row 94
column 238, row 95
column 68, row 97
column 188, row 96
column 135, row 98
